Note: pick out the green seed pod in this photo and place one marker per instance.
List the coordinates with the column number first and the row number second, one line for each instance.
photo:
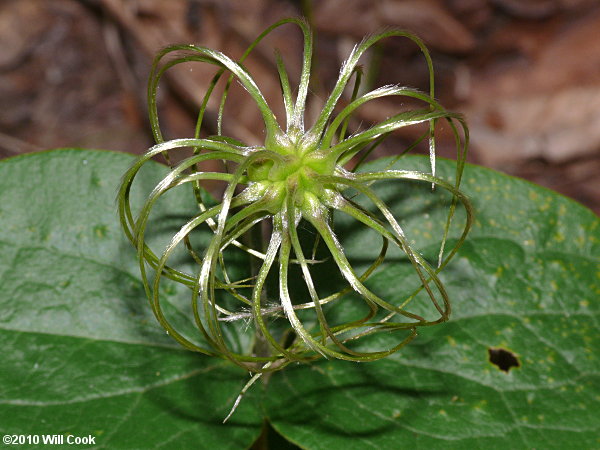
column 297, row 180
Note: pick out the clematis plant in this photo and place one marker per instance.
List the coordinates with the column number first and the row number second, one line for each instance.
column 298, row 179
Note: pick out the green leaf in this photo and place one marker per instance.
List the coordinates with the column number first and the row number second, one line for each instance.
column 527, row 282
column 81, row 352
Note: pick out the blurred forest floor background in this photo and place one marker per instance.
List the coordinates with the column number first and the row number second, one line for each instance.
column 526, row 73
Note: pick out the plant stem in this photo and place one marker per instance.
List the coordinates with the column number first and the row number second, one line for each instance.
column 257, row 241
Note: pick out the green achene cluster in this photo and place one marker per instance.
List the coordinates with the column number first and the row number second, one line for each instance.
column 298, row 178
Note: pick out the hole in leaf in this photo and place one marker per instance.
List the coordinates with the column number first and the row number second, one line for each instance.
column 504, row 359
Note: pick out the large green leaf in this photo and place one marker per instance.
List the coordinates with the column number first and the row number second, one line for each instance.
column 81, row 352
column 526, row 282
